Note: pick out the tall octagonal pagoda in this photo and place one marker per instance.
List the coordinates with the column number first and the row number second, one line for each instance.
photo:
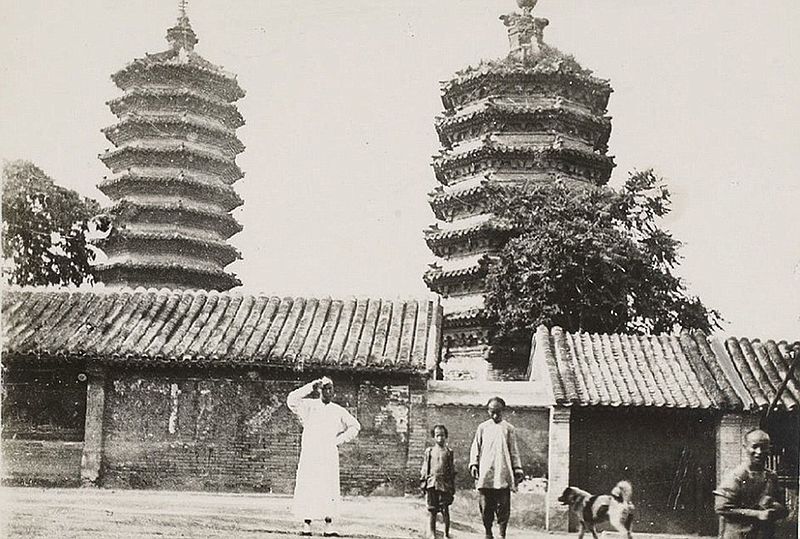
column 534, row 116
column 173, row 166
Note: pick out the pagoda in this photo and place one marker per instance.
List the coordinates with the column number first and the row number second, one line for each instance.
column 173, row 166
column 534, row 116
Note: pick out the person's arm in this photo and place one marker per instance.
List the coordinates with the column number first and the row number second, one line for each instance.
column 773, row 494
column 727, row 502
column 351, row 428
column 426, row 457
column 516, row 460
column 294, row 400
column 451, row 471
column 475, row 453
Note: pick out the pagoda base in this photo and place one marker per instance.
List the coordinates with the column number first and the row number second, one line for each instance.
column 485, row 362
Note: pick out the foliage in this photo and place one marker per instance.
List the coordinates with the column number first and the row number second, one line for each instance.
column 590, row 259
column 44, row 229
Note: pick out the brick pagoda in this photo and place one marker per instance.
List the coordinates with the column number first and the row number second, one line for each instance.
column 534, row 116
column 172, row 170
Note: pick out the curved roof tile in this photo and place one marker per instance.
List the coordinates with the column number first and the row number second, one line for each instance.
column 170, row 326
column 634, row 370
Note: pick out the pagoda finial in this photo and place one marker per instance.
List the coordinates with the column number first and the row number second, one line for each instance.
column 525, row 32
column 181, row 36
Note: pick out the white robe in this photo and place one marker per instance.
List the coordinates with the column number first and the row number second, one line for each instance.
column 325, row 427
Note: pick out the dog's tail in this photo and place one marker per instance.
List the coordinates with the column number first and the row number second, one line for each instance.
column 623, row 492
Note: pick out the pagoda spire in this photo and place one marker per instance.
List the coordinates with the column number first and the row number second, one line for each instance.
column 525, row 32
column 182, row 36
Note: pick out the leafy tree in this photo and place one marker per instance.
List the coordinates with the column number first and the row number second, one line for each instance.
column 590, row 259
column 44, row 229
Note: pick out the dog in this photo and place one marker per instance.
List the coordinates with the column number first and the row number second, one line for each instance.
column 615, row 508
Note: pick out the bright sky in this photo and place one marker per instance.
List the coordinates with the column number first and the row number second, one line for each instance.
column 340, row 103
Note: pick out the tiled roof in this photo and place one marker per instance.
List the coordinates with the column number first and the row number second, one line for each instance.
column 153, row 182
column 210, row 328
column 550, row 62
column 433, row 234
column 676, row 371
column 185, row 99
column 225, row 223
column 188, row 122
column 497, row 109
column 447, row 160
column 220, row 250
column 169, row 62
column 762, row 366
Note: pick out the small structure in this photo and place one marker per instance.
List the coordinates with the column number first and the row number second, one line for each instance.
column 533, row 116
column 187, row 389
column 666, row 412
column 173, row 167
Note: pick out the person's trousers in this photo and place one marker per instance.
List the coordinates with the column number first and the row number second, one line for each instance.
column 495, row 502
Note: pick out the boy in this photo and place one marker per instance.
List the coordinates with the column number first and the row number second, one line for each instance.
column 746, row 499
column 495, row 465
column 438, row 479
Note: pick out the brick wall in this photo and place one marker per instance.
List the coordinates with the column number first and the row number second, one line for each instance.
column 44, row 463
column 42, row 425
column 233, row 431
column 461, row 422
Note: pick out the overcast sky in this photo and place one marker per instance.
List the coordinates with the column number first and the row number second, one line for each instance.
column 341, row 97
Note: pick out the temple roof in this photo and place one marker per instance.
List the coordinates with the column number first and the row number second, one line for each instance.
column 204, row 329
column 762, row 366
column 673, row 371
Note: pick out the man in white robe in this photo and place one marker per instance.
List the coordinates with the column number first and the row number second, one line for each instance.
column 326, row 425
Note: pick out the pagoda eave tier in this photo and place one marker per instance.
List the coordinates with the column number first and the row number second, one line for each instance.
column 179, row 184
column 440, row 202
column 166, row 275
column 593, row 167
column 164, row 101
column 173, row 243
column 463, row 319
column 173, row 155
column 485, row 236
column 132, row 128
column 456, row 128
column 506, row 77
column 149, row 72
column 439, row 280
column 170, row 213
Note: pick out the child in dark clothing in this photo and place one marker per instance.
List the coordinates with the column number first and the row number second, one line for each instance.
column 438, row 478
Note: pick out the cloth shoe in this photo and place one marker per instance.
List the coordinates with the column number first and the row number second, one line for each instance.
column 329, row 531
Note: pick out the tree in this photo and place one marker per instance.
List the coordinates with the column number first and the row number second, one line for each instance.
column 44, row 229
column 590, row 259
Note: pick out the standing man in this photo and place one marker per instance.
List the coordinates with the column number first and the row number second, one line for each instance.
column 495, row 465
column 747, row 497
column 326, row 425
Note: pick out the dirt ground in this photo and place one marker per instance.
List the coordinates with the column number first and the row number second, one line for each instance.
column 93, row 513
